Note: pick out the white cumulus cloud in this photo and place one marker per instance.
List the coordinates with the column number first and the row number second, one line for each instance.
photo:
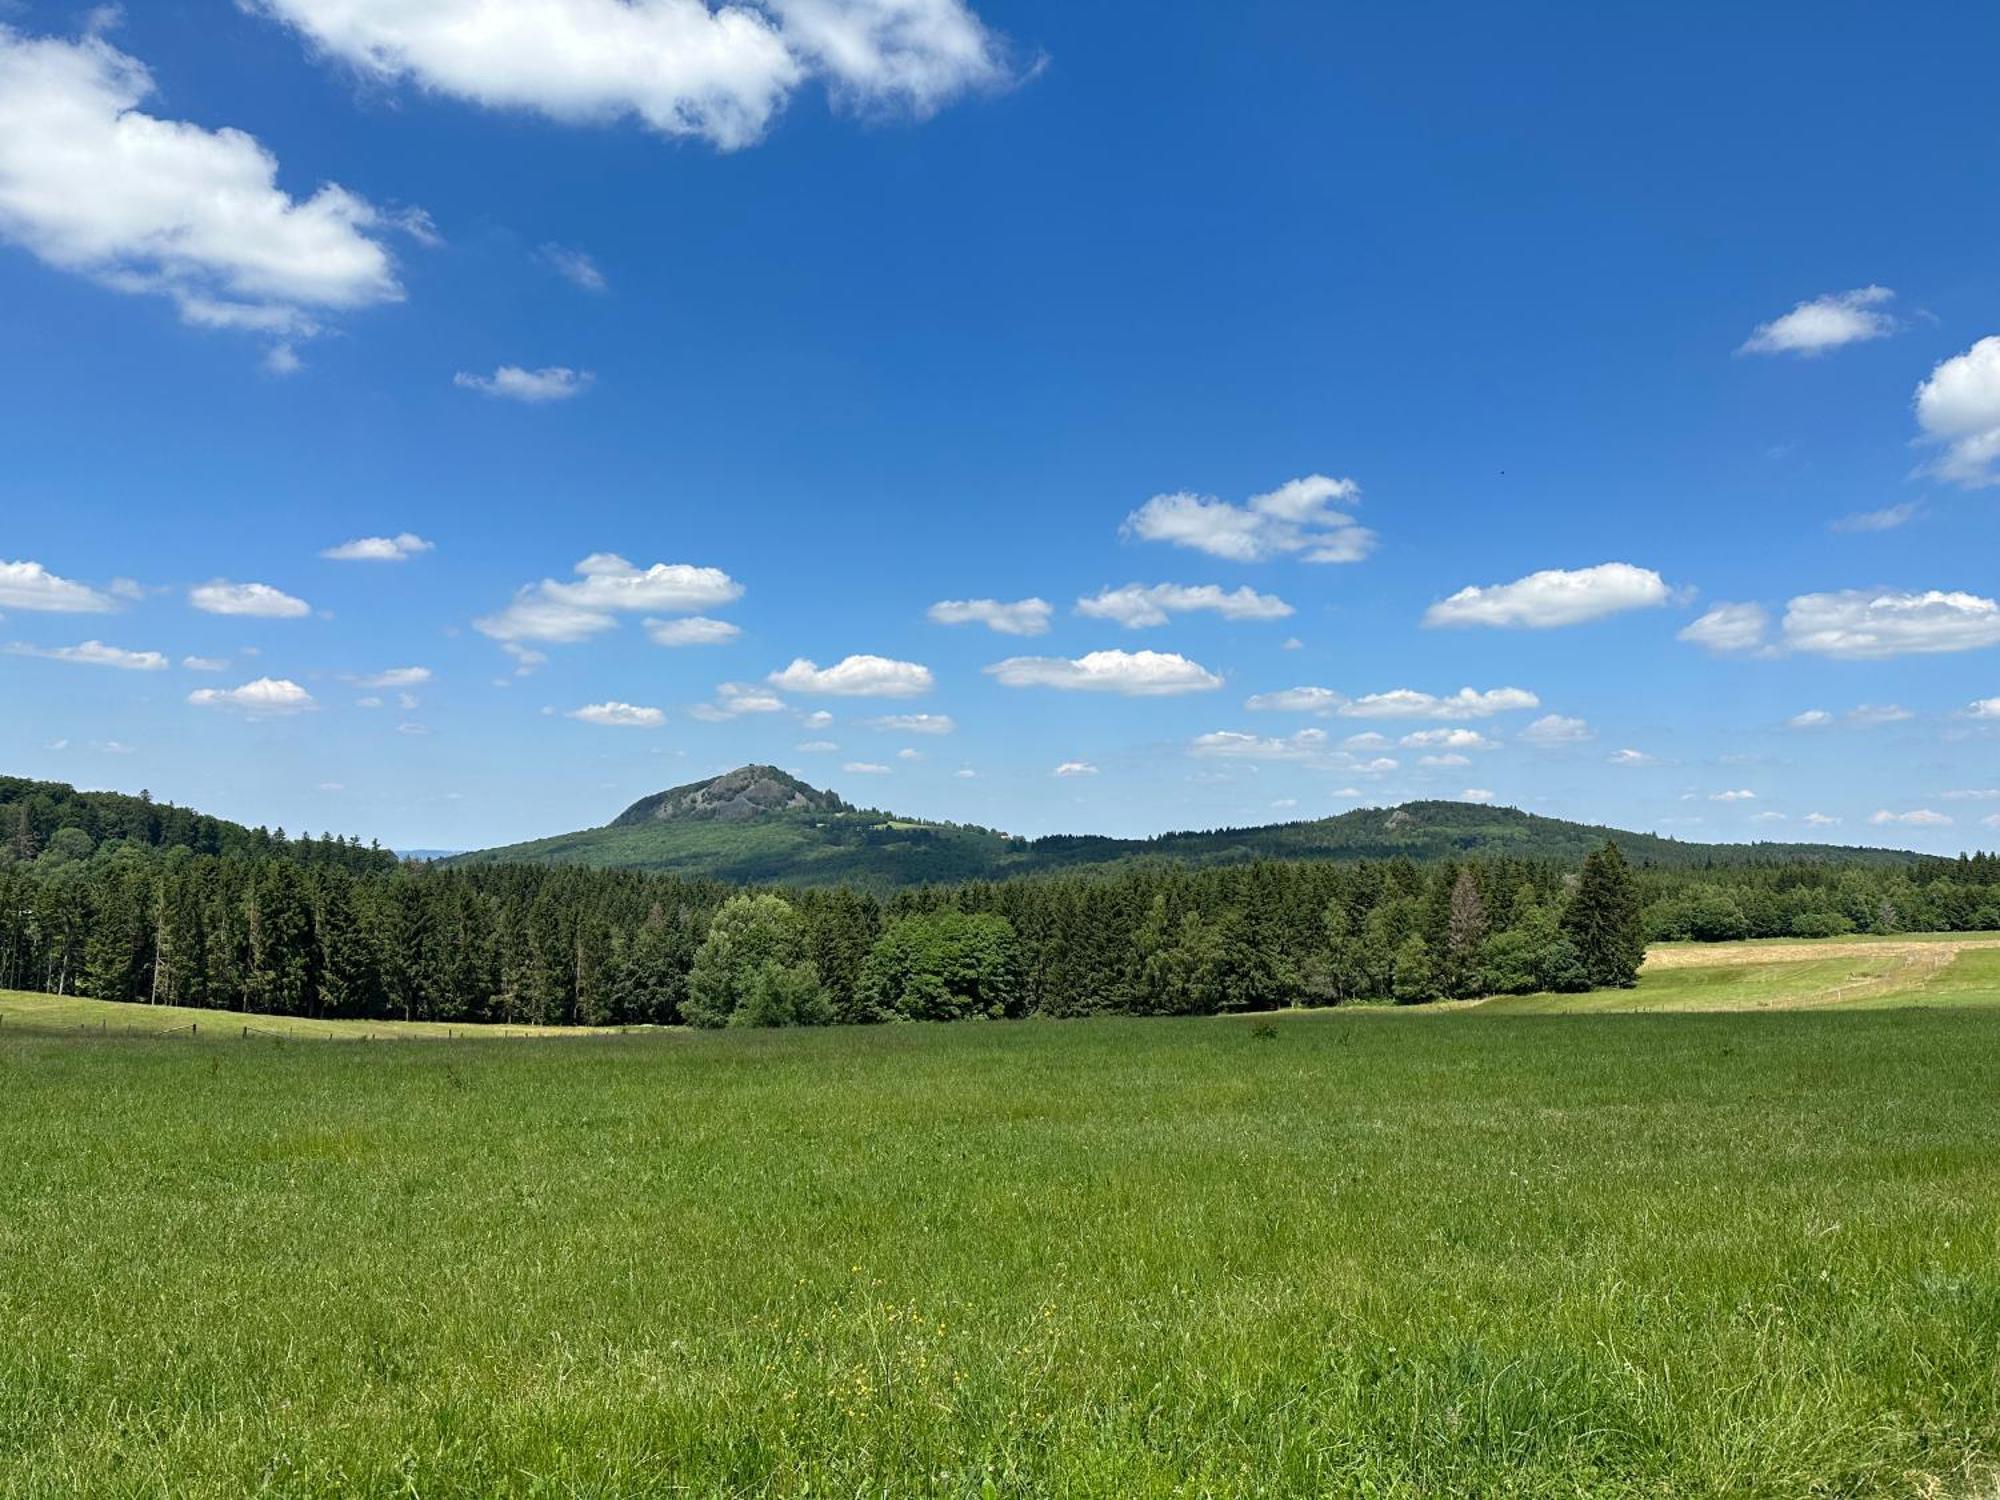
column 1826, row 323
column 1137, row 605
column 1872, row 624
column 1136, row 674
column 915, row 723
column 865, row 768
column 678, row 66
column 1811, row 718
column 92, row 184
column 616, row 715
column 1441, row 739
column 1305, row 517
column 265, row 696
column 513, row 383
column 1553, row 597
column 1631, row 758
column 856, row 677
column 606, row 586
column 256, row 600
column 1958, row 407
column 29, row 585
column 398, row 548
column 1022, row 617
column 1075, row 768
column 1475, row 794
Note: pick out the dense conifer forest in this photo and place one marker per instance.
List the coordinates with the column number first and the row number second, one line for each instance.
column 121, row 899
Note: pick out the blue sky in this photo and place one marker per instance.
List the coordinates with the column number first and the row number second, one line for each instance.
column 1305, row 320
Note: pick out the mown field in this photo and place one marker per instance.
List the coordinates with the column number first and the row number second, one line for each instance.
column 1456, row 1251
column 1917, row 969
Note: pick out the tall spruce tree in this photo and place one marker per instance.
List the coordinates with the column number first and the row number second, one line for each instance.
column 1606, row 921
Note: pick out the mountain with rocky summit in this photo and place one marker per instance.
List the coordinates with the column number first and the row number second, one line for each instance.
column 746, row 792
column 761, row 825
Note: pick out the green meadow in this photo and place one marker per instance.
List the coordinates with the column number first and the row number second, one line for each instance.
column 1727, row 1241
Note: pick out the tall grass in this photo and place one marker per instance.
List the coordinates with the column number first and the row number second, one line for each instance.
column 1373, row 1254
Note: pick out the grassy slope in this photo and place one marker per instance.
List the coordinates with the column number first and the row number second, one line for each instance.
column 1375, row 1254
column 60, row 1013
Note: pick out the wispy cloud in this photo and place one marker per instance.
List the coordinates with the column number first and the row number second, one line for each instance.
column 536, row 387
column 1887, row 519
column 1022, row 617
column 94, row 654
column 574, row 266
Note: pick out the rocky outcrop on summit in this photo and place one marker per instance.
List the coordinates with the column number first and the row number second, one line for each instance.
column 747, row 792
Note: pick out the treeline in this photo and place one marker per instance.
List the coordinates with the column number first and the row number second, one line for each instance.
column 49, row 823
column 1800, row 899
column 309, row 929
column 566, row 945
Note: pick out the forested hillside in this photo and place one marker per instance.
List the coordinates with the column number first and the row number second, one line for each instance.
column 800, row 836
column 50, row 823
